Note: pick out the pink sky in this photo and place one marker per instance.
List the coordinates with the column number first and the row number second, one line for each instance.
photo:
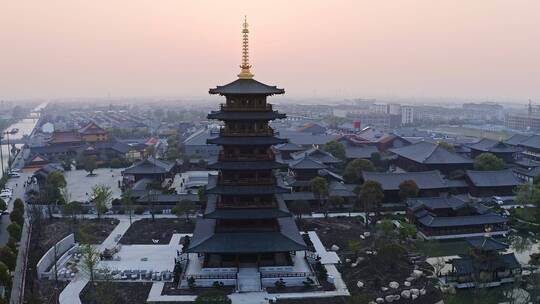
column 463, row 48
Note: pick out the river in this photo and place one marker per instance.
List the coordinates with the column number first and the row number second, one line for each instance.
column 25, row 126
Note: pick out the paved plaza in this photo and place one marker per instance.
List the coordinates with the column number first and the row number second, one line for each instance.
column 79, row 184
column 146, row 257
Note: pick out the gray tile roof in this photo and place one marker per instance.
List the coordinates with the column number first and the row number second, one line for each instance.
column 492, row 178
column 531, row 142
column 487, row 244
column 150, row 166
column 494, row 146
column 516, row 139
column 433, row 203
column 316, row 154
column 430, row 220
column 222, row 115
column 306, row 162
column 430, row 153
column 360, row 151
column 424, row 180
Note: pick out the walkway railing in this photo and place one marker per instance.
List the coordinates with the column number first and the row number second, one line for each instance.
column 284, row 274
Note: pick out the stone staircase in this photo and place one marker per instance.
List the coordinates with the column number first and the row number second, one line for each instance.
column 249, row 280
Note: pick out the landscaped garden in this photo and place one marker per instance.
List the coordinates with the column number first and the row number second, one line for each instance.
column 147, row 231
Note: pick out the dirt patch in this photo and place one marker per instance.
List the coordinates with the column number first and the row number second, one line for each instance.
column 116, row 292
column 45, row 234
column 162, row 229
column 335, row 231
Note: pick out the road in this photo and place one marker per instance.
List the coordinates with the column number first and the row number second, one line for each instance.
column 18, row 192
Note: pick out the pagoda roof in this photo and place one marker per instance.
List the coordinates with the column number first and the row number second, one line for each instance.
column 92, row 128
column 246, row 86
column 206, row 240
column 246, row 165
column 230, row 115
column 213, row 212
column 316, row 154
column 246, row 140
column 247, row 190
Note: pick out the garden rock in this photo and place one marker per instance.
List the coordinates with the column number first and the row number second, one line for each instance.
column 414, row 297
column 409, row 279
column 393, row 285
column 384, row 288
column 415, row 291
column 406, row 294
column 334, row 247
column 360, row 284
column 379, row 300
column 417, row 273
column 422, row 291
column 407, row 284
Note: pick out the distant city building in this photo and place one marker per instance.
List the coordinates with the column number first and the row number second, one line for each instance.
column 407, row 115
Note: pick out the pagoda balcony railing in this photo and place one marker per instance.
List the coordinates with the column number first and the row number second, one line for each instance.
column 245, row 108
column 243, row 205
column 247, row 181
column 262, row 132
column 245, row 157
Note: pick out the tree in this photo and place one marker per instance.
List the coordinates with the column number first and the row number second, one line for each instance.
column 3, row 205
column 407, row 230
column 17, row 216
column 73, row 209
column 336, row 201
column 127, row 202
column 183, row 208
column 54, row 182
column 8, row 257
column 354, row 246
column 408, row 188
column 336, row 148
column 371, row 195
column 386, row 226
column 101, row 196
column 14, row 231
column 19, row 205
column 353, row 170
column 90, row 259
column 201, row 194
column 5, row 277
column 90, row 164
column 319, row 188
column 446, row 145
column 299, row 207
column 488, row 162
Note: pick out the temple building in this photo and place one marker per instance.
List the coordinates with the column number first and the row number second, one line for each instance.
column 425, row 156
column 484, row 265
column 246, row 237
column 453, row 217
column 500, row 149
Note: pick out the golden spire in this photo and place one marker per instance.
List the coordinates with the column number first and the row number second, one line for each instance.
column 245, row 73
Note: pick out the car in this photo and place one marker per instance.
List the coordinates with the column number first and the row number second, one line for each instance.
column 14, row 175
column 15, row 170
column 5, row 195
column 5, row 212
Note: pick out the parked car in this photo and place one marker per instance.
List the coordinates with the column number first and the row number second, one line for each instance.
column 6, row 193
column 14, row 174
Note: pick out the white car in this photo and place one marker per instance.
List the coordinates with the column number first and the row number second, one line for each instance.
column 6, row 194
column 14, row 175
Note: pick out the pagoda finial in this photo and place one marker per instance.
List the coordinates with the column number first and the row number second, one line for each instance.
column 245, row 73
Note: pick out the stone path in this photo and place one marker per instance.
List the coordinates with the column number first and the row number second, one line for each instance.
column 70, row 294
column 327, row 257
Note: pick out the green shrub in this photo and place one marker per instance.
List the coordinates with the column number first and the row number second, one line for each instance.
column 14, row 231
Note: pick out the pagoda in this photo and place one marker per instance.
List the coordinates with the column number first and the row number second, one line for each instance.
column 246, row 228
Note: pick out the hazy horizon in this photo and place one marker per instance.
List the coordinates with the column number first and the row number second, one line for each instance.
column 478, row 50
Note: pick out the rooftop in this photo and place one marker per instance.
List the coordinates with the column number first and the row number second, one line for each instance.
column 430, row 153
column 246, row 86
column 499, row 178
column 424, row 180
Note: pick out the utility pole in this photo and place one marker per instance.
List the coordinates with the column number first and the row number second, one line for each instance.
column 2, row 154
